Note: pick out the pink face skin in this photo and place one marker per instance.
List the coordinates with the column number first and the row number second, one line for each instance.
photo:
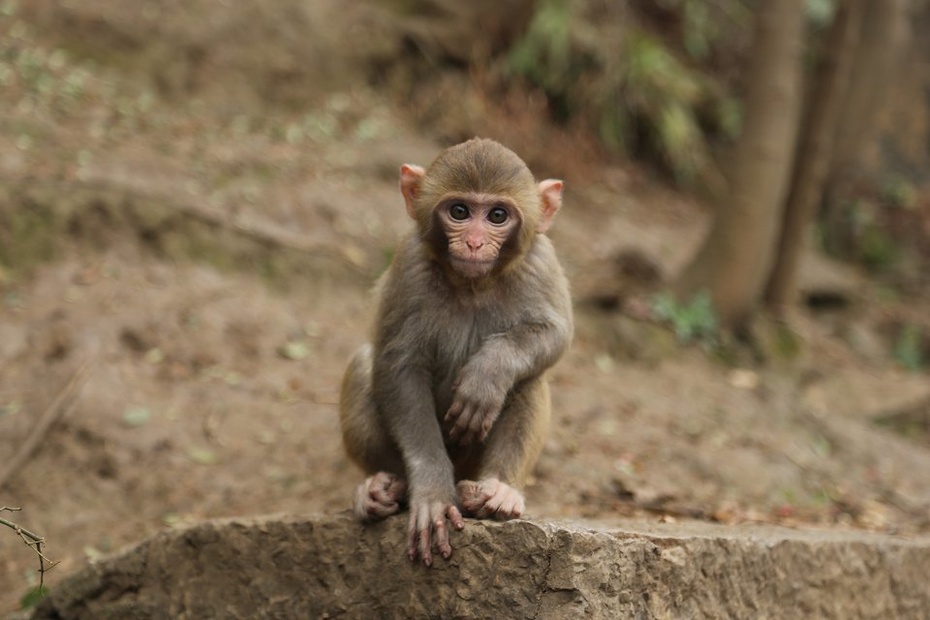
column 476, row 230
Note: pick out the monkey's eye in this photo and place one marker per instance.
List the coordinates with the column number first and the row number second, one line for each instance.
column 458, row 212
column 498, row 215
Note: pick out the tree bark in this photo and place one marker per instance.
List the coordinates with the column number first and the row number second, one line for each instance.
column 884, row 30
column 814, row 152
column 735, row 260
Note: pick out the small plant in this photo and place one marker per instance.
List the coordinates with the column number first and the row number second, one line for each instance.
column 899, row 192
column 878, row 250
column 820, row 12
column 31, row 598
column 544, row 54
column 638, row 92
column 692, row 320
column 908, row 348
column 660, row 95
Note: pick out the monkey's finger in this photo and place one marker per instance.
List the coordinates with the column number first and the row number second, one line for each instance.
column 508, row 507
column 383, row 496
column 442, row 536
column 462, row 424
column 424, row 536
column 425, row 546
column 381, row 510
column 490, row 498
column 474, row 496
column 412, row 535
column 470, row 425
column 496, row 507
column 397, row 489
column 467, row 490
column 454, row 411
column 486, row 510
column 455, row 516
column 473, row 429
column 507, row 503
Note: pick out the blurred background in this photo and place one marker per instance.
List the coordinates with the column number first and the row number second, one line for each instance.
column 196, row 197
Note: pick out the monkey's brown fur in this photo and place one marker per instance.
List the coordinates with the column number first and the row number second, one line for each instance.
column 452, row 388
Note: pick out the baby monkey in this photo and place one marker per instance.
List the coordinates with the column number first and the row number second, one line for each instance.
column 447, row 409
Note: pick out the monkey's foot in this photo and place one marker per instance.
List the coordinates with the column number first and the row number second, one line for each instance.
column 490, row 498
column 379, row 496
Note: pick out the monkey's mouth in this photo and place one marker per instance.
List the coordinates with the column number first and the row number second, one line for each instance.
column 472, row 267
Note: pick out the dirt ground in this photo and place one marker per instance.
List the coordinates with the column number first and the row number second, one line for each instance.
column 199, row 281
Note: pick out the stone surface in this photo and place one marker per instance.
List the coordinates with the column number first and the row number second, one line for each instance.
column 333, row 567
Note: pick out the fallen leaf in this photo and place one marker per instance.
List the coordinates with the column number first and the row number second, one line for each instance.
column 604, row 363
column 154, row 356
column 137, row 416
column 295, row 350
column 744, row 379
column 202, row 456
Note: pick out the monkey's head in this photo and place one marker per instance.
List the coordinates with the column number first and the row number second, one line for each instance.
column 478, row 207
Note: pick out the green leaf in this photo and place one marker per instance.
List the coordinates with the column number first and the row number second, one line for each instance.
column 908, row 350
column 202, row 456
column 295, row 350
column 691, row 320
column 137, row 416
column 32, row 597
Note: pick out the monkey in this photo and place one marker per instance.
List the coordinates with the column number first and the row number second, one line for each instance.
column 446, row 410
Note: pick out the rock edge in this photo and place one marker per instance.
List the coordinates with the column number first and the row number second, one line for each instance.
column 334, row 567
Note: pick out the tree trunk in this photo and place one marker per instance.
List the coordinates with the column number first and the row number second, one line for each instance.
column 883, row 27
column 814, row 152
column 883, row 32
column 736, row 257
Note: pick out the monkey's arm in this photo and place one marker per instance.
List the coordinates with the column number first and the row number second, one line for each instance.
column 523, row 351
column 542, row 327
column 504, row 359
column 402, row 390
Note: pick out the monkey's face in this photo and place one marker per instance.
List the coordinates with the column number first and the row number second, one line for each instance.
column 476, row 229
column 478, row 207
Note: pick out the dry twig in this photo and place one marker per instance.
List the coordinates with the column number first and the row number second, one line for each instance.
column 42, row 426
column 32, row 540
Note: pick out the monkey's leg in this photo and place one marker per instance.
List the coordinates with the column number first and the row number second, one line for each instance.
column 510, row 452
column 368, row 444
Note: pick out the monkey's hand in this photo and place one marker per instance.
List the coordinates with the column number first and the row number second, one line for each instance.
column 427, row 527
column 477, row 401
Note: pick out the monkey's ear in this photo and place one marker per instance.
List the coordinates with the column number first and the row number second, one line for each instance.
column 550, row 194
column 410, row 177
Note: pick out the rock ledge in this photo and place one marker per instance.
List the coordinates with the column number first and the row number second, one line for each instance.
column 333, row 567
